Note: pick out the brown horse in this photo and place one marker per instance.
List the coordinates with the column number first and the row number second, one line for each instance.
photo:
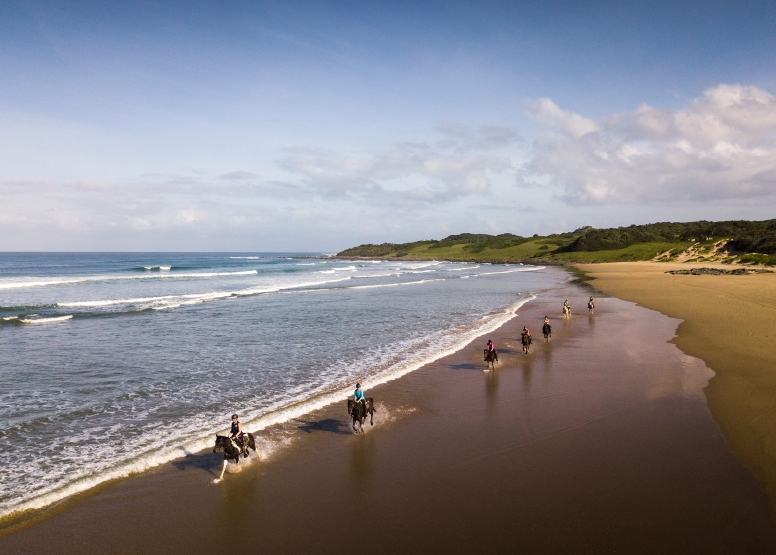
column 526, row 342
column 358, row 412
column 491, row 358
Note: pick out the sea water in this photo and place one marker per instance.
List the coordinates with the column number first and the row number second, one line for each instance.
column 113, row 363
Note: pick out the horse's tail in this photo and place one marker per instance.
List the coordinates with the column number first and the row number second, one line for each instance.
column 372, row 404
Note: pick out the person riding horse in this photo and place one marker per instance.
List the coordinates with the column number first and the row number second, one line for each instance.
column 566, row 308
column 236, row 432
column 547, row 328
column 591, row 305
column 526, row 339
column 358, row 396
column 492, row 349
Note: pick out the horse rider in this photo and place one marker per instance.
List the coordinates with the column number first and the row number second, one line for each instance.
column 566, row 307
column 547, row 328
column 358, row 395
column 591, row 305
column 236, row 433
column 526, row 331
column 492, row 349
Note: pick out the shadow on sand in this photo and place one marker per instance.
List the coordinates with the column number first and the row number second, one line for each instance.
column 466, row 366
column 326, row 425
column 209, row 462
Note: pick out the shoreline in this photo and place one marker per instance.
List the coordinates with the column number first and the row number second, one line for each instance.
column 558, row 450
column 276, row 415
column 728, row 322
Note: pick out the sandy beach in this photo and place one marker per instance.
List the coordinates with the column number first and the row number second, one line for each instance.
column 728, row 321
column 597, row 442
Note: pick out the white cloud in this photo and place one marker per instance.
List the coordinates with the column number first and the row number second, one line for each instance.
column 408, row 173
column 722, row 146
column 547, row 112
column 310, row 189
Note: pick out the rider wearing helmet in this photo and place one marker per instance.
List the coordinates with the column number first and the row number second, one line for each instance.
column 591, row 305
column 358, row 395
column 236, row 433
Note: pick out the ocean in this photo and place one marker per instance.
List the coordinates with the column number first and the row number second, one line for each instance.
column 112, row 363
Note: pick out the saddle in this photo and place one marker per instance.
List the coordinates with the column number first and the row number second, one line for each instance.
column 237, row 442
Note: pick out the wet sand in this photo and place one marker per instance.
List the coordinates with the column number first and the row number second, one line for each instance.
column 730, row 323
column 598, row 442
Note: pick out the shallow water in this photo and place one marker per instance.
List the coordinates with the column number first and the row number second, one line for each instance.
column 112, row 363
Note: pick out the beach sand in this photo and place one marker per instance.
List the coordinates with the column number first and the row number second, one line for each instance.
column 729, row 322
column 597, row 442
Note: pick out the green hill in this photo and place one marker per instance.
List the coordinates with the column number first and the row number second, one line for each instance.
column 729, row 241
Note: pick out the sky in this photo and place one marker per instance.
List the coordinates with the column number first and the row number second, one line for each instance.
column 316, row 126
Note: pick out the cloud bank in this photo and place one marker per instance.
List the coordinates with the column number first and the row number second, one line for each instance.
column 723, row 146
column 714, row 159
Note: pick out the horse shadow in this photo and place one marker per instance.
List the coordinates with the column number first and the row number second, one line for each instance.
column 331, row 425
column 208, row 462
column 466, row 366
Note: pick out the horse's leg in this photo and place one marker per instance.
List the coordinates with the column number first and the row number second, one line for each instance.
column 222, row 473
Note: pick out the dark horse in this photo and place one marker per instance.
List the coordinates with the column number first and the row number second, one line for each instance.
column 358, row 412
column 547, row 331
column 491, row 358
column 526, row 343
column 232, row 451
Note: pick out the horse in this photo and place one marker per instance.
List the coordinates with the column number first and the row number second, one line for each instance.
column 526, row 342
column 232, row 451
column 358, row 412
column 547, row 331
column 491, row 358
column 566, row 310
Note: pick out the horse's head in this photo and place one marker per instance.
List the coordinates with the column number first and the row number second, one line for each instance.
column 219, row 443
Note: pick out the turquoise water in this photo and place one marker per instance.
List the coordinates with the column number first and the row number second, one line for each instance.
column 104, row 357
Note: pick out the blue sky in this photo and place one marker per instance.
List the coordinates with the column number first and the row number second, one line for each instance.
column 317, row 126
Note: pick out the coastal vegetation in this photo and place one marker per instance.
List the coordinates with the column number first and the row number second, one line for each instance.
column 741, row 241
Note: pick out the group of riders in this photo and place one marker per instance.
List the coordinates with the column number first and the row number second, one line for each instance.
column 525, row 336
column 567, row 307
column 237, row 435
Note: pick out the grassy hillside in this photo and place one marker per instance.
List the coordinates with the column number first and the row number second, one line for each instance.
column 731, row 241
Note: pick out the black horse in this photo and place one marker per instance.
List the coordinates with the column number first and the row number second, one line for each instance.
column 232, row 451
column 491, row 358
column 358, row 412
column 547, row 331
column 526, row 342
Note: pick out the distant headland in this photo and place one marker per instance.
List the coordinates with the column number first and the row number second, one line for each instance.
column 734, row 241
